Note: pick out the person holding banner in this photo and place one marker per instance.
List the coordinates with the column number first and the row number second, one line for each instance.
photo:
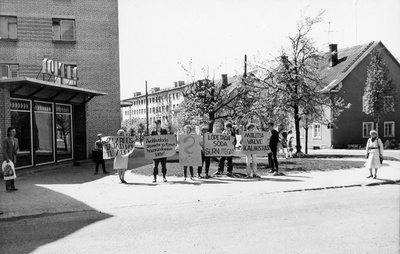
column 121, row 161
column 163, row 161
column 251, row 160
column 205, row 159
column 98, row 155
column 227, row 131
column 188, row 131
column 10, row 151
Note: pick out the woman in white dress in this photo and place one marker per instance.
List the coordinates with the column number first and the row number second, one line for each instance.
column 374, row 153
column 121, row 161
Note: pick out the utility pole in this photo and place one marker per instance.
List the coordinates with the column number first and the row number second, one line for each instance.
column 147, row 110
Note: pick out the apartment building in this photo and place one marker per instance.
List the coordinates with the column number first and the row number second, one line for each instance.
column 59, row 75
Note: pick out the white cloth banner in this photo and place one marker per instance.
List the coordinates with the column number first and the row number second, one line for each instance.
column 189, row 150
column 114, row 145
column 159, row 146
column 218, row 144
column 255, row 142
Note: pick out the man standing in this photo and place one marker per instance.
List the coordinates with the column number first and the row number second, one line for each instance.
column 273, row 145
column 10, row 151
column 163, row 161
column 98, row 155
column 227, row 131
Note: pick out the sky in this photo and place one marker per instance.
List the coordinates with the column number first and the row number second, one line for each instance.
column 159, row 38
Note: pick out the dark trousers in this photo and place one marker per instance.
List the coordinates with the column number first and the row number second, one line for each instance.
column 10, row 184
column 103, row 165
column 163, row 162
column 207, row 161
column 222, row 163
column 273, row 160
column 185, row 171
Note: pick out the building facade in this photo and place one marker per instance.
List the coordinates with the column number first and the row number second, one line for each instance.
column 345, row 71
column 59, row 74
column 163, row 103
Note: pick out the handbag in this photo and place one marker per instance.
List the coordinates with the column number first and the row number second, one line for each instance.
column 8, row 170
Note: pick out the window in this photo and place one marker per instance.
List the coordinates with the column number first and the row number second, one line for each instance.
column 388, row 129
column 63, row 132
column 9, row 71
column 317, row 131
column 8, row 27
column 389, row 103
column 367, row 127
column 63, row 30
column 364, row 104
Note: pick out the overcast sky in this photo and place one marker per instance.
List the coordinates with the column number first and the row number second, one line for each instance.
column 155, row 36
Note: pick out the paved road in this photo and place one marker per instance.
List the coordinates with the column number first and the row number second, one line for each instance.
column 351, row 220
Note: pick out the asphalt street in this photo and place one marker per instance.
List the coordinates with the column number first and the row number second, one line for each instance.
column 348, row 220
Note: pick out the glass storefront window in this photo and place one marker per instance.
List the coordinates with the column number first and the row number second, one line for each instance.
column 21, row 120
column 63, row 132
column 43, row 132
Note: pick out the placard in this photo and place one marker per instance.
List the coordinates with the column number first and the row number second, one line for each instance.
column 218, row 144
column 190, row 150
column 159, row 146
column 255, row 142
column 114, row 145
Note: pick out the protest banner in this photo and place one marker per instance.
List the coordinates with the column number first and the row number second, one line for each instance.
column 159, row 146
column 189, row 150
column 217, row 144
column 114, row 145
column 255, row 142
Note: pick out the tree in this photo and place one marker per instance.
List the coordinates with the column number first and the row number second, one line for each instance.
column 380, row 91
column 291, row 86
column 207, row 100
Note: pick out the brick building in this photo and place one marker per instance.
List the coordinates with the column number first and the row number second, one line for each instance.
column 59, row 76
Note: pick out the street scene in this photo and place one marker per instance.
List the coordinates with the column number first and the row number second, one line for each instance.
column 195, row 126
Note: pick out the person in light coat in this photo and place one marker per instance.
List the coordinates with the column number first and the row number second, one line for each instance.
column 374, row 153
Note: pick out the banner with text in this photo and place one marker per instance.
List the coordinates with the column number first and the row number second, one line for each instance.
column 190, row 150
column 114, row 145
column 159, row 146
column 218, row 144
column 255, row 142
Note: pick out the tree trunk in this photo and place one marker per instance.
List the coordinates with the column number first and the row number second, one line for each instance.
column 211, row 116
column 306, row 141
column 297, row 128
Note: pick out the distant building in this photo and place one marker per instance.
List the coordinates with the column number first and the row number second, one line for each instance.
column 162, row 103
column 346, row 74
column 59, row 77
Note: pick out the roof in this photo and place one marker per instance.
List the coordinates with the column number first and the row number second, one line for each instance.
column 348, row 59
column 32, row 88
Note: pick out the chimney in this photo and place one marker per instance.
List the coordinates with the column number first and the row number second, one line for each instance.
column 224, row 80
column 333, row 59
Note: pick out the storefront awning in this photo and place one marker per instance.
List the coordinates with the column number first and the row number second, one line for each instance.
column 36, row 89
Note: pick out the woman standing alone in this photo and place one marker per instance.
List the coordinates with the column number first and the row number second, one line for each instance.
column 374, row 153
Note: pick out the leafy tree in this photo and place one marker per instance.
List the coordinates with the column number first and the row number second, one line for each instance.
column 380, row 91
column 208, row 100
column 290, row 87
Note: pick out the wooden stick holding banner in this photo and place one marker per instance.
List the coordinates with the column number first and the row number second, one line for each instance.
column 160, row 146
column 190, row 150
column 217, row 144
column 114, row 145
column 255, row 142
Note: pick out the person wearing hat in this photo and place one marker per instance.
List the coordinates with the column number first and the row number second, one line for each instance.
column 98, row 155
column 228, row 131
column 159, row 131
column 374, row 153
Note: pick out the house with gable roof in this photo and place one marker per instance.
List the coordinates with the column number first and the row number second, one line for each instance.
column 345, row 72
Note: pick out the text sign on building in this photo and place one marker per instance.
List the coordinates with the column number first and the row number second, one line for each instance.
column 61, row 70
column 159, row 146
column 217, row 144
column 189, row 150
column 117, row 145
column 255, row 142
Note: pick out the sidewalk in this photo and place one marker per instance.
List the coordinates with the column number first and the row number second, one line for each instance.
column 70, row 189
